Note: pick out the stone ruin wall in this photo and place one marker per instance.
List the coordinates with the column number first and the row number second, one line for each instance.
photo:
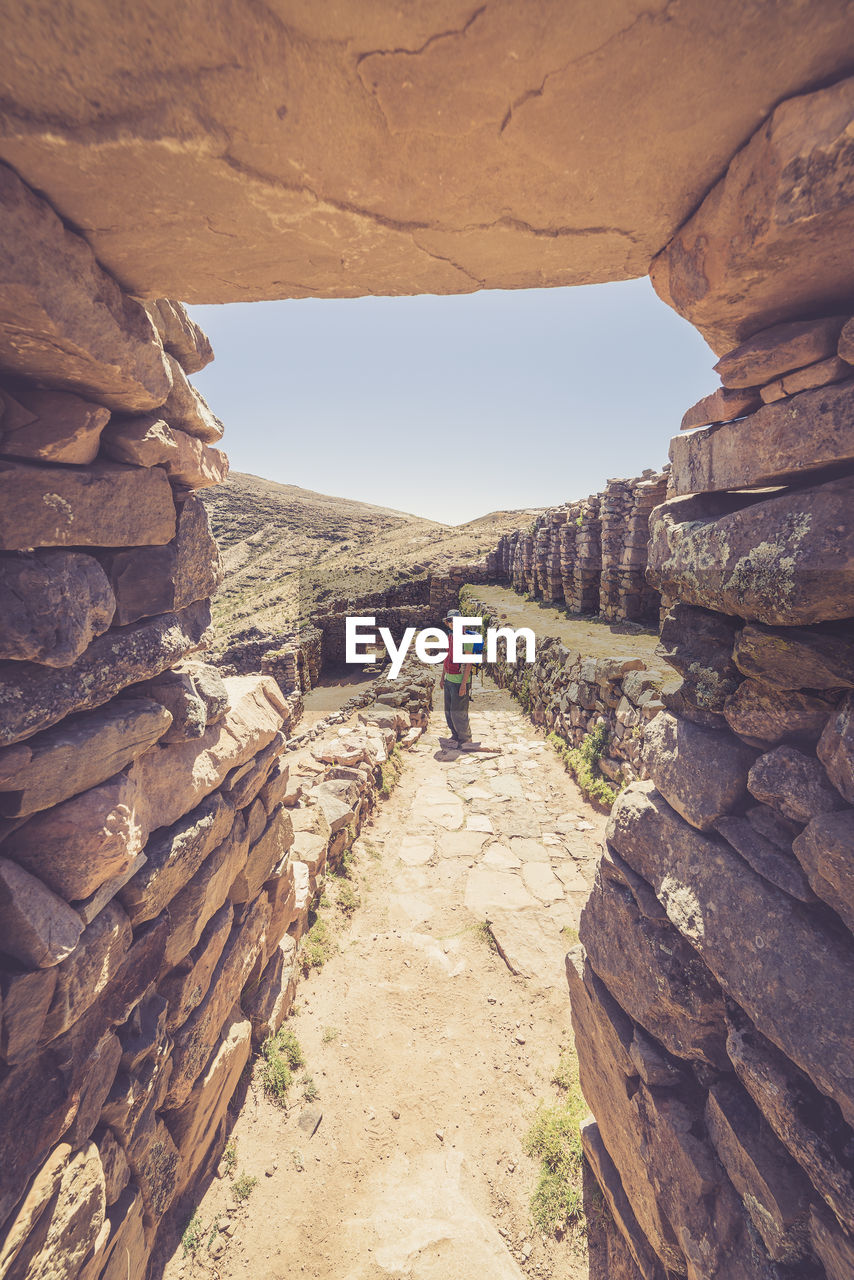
column 157, row 860
column 588, row 556
column 711, row 988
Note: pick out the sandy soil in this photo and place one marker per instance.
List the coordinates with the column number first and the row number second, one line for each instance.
column 430, row 1056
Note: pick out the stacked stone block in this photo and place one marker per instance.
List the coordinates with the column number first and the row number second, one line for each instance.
column 710, row 989
column 625, row 510
column 152, row 881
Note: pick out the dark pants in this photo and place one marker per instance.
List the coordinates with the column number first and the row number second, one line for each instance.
column 457, row 712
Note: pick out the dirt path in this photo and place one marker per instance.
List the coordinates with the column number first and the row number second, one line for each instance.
column 429, row 1055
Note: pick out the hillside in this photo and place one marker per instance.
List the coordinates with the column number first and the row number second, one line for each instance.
column 287, row 550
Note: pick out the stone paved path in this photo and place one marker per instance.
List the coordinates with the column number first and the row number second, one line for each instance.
column 430, row 1051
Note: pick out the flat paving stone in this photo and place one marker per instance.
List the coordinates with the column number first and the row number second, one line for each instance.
column 415, row 851
column 529, row 850
column 541, row 882
column 489, row 890
column 480, row 822
column 460, row 844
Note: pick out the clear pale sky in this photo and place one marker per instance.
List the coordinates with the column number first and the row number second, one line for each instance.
column 451, row 407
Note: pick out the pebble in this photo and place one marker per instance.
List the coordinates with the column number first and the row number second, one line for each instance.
column 269, row 1171
column 440, row 1135
column 395, row 1115
column 520, row 1039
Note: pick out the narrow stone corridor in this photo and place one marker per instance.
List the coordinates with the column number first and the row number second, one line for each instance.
column 430, row 1050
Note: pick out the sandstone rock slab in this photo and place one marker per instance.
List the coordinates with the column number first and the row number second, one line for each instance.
column 793, row 783
column 787, row 559
column 702, row 773
column 780, row 442
column 773, row 1188
column 187, row 409
column 124, row 1254
column 820, row 374
column 777, row 866
column 723, row 405
column 181, row 336
column 63, row 320
column 105, row 505
column 780, row 349
column 89, row 969
column 698, row 644
column 263, row 857
column 77, row 754
column 53, row 604
column 33, row 697
column 60, row 1218
column 50, row 426
column 114, row 1163
column 740, row 926
column 765, row 246
column 174, row 855
column 185, row 986
column 149, row 441
column 196, row 1039
column 194, row 1124
column 833, row 1246
column 824, row 850
column 608, row 1177
column 36, row 926
column 764, row 716
column 203, row 896
column 26, row 998
column 807, row 1123
column 796, row 658
column 655, row 976
column 836, row 748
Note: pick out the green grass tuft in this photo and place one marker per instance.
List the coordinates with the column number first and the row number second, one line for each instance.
column 193, row 1235
column 244, row 1186
column 229, row 1158
column 330, row 1034
column 583, row 763
column 318, row 945
column 554, row 1136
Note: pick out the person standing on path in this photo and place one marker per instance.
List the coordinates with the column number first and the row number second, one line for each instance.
column 456, row 683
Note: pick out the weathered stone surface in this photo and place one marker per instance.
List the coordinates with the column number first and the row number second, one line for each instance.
column 115, row 1165
column 50, row 426
column 263, row 857
column 787, row 559
column 52, row 605
column 808, row 1124
column 180, row 335
column 771, row 824
column 79, row 844
column 187, row 409
column 125, row 1255
column 654, row 974
column 820, row 374
column 825, row 850
column 608, row 1177
column 33, row 697
column 833, row 1246
column 143, row 1037
column 190, row 910
column 26, row 998
column 63, row 320
column 281, row 890
column 394, row 114
column 792, row 658
column 149, row 441
column 152, row 580
column 779, row 442
column 779, row 350
column 269, row 1002
column 105, row 505
column 175, row 692
column 607, row 1076
column 36, row 927
column 793, row 783
column 683, row 1201
column 185, row 986
column 773, row 392
column 698, row 644
column 773, row 1188
column 60, row 1218
column 194, row 1124
column 195, row 1040
column 766, row 245
column 174, row 856
column 765, row 715
column 155, row 1165
column 722, row 405
column 702, row 773
column 836, row 748
column 845, row 346
column 740, row 925
column 105, row 1057
column 88, row 971
column 209, row 685
column 778, row 866
column 273, row 791
column 78, row 754
column 244, row 783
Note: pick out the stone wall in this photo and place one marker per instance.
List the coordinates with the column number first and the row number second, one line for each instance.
column 157, row 862
column 588, row 556
column 711, row 987
column 571, row 694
